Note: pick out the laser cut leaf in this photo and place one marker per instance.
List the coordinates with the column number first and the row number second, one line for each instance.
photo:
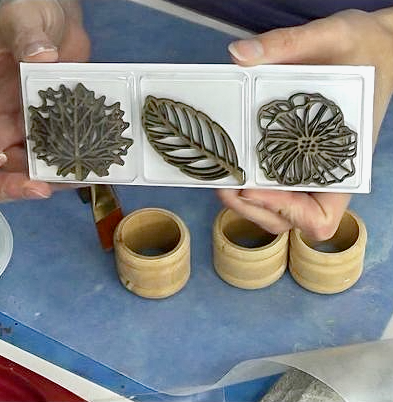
column 77, row 132
column 190, row 140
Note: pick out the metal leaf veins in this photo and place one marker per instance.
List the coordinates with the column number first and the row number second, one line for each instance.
column 77, row 132
column 190, row 140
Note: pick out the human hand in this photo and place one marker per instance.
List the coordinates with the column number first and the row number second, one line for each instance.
column 350, row 37
column 31, row 31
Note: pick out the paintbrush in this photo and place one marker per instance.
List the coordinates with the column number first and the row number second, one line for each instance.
column 106, row 211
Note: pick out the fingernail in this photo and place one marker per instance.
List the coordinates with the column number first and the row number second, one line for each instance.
column 252, row 201
column 246, row 49
column 3, row 159
column 244, row 198
column 36, row 48
column 33, row 193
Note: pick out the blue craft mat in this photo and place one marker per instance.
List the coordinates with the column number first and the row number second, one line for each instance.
column 61, row 284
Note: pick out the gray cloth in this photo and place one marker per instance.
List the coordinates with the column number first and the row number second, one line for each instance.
column 298, row 386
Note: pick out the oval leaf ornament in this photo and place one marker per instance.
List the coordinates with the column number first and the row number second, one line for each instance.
column 190, row 140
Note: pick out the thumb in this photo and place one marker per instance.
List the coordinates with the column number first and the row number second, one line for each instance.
column 32, row 29
column 35, row 46
column 311, row 43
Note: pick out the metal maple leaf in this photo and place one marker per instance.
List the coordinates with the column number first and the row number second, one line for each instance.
column 77, row 132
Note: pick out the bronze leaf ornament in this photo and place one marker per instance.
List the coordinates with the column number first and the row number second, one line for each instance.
column 77, row 132
column 190, row 140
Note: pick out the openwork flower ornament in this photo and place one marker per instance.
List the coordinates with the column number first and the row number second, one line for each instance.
column 304, row 140
column 77, row 132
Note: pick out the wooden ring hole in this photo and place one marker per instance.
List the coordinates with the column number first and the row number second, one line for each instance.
column 151, row 234
column 244, row 233
column 345, row 237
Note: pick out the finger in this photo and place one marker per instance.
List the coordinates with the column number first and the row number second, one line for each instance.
column 15, row 186
column 11, row 123
column 15, row 159
column 317, row 215
column 309, row 43
column 76, row 44
column 32, row 31
column 264, row 218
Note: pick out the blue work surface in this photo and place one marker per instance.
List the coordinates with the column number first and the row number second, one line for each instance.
column 64, row 289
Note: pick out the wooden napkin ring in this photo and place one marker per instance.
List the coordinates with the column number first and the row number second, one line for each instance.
column 245, row 255
column 330, row 266
column 152, row 251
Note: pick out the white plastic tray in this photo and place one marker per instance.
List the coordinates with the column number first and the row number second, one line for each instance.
column 230, row 95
